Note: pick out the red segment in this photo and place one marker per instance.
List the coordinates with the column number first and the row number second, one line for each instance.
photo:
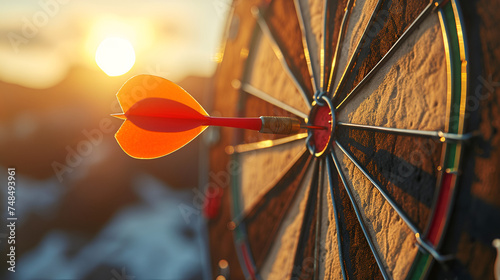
column 213, row 203
column 248, row 263
column 443, row 202
column 321, row 137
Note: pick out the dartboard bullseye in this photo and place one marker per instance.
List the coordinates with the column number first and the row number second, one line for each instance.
column 322, row 114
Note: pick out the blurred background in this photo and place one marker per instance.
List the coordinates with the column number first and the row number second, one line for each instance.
column 85, row 210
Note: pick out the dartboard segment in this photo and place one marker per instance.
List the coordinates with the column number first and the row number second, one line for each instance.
column 262, row 64
column 355, row 24
column 253, row 182
column 352, row 239
column 336, row 14
column 279, row 261
column 391, row 21
column 264, row 218
column 410, row 91
column 383, row 219
column 405, row 167
column 309, row 40
column 281, row 25
column 306, row 260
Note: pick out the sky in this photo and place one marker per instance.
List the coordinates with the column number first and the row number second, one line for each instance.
column 41, row 40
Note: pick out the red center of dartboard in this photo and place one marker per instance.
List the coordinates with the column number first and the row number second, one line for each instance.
column 321, row 138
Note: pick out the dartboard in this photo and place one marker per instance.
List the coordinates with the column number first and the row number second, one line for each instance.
column 369, row 196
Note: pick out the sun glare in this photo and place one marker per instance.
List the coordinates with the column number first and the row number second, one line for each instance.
column 115, row 56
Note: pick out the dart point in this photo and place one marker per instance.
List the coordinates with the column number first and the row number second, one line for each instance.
column 120, row 116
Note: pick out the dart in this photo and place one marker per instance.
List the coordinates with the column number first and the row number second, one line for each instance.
column 161, row 117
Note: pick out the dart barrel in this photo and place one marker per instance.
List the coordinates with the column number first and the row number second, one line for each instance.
column 279, row 125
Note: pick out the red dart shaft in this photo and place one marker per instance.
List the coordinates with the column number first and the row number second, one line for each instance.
column 246, row 123
column 265, row 124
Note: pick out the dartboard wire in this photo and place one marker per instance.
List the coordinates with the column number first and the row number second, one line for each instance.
column 336, row 216
column 312, row 201
column 324, row 45
column 261, row 22
column 455, row 45
column 424, row 244
column 245, row 87
column 306, row 46
column 343, row 30
column 368, row 238
column 442, row 136
column 239, row 233
column 322, row 51
column 387, row 198
column 247, row 259
column 264, row 144
column 248, row 88
column 319, row 200
column 296, row 161
column 358, row 47
column 413, row 26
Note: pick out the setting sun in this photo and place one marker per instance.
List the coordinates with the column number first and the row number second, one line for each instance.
column 115, row 56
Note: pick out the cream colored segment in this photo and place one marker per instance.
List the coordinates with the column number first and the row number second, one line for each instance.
column 358, row 20
column 394, row 241
column 329, row 248
column 317, row 10
column 410, row 90
column 267, row 74
column 279, row 262
column 259, row 169
column 312, row 11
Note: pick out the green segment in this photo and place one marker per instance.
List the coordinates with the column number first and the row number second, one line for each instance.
column 456, row 81
column 451, row 150
column 419, row 266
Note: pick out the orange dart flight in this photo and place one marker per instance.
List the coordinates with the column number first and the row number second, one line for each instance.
column 161, row 117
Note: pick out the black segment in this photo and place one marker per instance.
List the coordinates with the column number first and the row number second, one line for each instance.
column 359, row 263
column 284, row 25
column 405, row 167
column 334, row 14
column 305, row 261
column 392, row 18
column 265, row 218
